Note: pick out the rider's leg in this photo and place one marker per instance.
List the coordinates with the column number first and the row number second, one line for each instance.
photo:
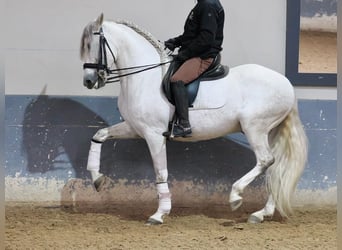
column 191, row 69
column 188, row 71
column 182, row 128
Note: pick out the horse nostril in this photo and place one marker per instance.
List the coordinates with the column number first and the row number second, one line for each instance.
column 89, row 80
column 88, row 83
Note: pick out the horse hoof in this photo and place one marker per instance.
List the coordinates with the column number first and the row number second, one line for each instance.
column 153, row 222
column 99, row 183
column 235, row 204
column 254, row 219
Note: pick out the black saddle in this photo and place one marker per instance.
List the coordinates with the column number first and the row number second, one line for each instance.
column 214, row 72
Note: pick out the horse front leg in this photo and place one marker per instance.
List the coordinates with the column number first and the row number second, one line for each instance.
column 119, row 131
column 157, row 147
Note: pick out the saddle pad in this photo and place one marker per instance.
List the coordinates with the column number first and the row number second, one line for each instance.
column 211, row 94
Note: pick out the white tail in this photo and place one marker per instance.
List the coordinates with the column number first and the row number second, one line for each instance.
column 290, row 148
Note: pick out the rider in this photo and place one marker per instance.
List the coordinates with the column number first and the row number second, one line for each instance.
column 199, row 44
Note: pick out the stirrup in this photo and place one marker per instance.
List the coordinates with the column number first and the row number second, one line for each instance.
column 180, row 131
column 185, row 132
column 169, row 134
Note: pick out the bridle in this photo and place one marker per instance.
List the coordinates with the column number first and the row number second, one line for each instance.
column 102, row 66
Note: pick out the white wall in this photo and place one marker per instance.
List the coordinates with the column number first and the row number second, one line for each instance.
column 43, row 37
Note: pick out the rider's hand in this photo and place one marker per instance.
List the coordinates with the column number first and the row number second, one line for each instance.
column 181, row 56
column 170, row 44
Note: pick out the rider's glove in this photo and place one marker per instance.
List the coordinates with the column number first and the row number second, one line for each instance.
column 181, row 56
column 170, row 44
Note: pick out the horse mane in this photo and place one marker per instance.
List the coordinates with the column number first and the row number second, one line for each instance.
column 148, row 36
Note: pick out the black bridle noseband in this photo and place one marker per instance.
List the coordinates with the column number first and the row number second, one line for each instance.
column 102, row 66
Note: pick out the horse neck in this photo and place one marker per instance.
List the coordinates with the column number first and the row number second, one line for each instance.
column 131, row 49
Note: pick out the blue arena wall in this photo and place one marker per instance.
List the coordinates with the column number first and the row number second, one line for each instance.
column 48, row 137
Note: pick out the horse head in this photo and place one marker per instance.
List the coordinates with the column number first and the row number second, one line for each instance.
column 94, row 55
column 100, row 54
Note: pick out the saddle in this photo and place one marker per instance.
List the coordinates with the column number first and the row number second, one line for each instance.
column 215, row 71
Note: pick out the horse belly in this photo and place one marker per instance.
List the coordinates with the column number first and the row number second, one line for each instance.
column 212, row 123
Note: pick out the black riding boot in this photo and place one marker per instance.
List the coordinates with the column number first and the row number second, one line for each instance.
column 182, row 128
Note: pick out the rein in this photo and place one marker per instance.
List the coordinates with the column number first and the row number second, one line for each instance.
column 102, row 65
column 141, row 69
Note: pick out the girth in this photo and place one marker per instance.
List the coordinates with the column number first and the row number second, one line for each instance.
column 214, row 72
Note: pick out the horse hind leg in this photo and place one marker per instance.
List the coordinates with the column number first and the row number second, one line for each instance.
column 118, row 131
column 267, row 211
column 259, row 142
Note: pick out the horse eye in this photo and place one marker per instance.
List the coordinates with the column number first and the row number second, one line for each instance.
column 88, row 46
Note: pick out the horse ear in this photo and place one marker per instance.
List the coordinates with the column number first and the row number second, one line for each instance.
column 99, row 20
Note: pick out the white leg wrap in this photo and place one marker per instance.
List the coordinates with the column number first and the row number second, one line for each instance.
column 94, row 157
column 94, row 160
column 163, row 188
column 164, row 198
column 164, row 206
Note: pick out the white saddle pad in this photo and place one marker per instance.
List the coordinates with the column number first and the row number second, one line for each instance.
column 211, row 94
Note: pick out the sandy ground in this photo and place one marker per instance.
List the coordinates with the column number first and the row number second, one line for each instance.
column 317, row 52
column 33, row 226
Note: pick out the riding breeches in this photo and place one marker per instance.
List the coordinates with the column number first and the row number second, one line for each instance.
column 191, row 69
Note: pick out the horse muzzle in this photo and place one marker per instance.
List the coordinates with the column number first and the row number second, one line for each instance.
column 90, row 80
column 94, row 80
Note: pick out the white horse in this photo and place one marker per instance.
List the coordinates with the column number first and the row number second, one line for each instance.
column 251, row 99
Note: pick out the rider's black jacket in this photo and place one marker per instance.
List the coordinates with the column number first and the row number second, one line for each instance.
column 203, row 30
